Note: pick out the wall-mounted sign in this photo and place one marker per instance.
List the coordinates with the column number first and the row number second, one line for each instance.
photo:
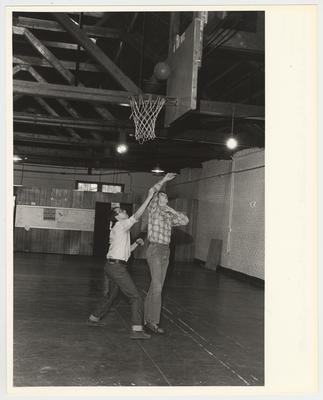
column 49, row 214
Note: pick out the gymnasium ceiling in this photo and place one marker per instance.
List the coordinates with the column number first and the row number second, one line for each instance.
column 54, row 127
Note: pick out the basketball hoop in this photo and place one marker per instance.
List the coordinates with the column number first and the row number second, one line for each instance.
column 144, row 113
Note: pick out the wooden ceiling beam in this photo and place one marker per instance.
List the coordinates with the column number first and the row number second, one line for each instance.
column 76, row 93
column 83, row 40
column 51, row 139
column 224, row 109
column 77, row 123
column 104, row 19
column 52, row 152
column 38, row 46
column 174, row 26
column 136, row 151
column 242, row 40
column 121, row 165
column 210, row 82
column 133, row 39
column 53, row 26
column 55, row 62
column 64, row 46
column 41, row 101
column 248, row 41
column 54, row 44
column 169, row 147
column 100, row 154
column 242, row 80
column 112, row 126
column 38, row 78
column 89, row 14
column 121, row 44
column 256, row 129
column 57, row 45
column 38, row 62
column 53, row 113
column 169, row 153
column 258, row 93
column 46, row 107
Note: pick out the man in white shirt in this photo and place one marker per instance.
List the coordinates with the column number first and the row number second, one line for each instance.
column 116, row 269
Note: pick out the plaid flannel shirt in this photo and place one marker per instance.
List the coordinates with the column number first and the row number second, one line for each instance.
column 160, row 222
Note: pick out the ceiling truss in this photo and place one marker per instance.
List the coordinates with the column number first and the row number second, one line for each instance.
column 78, row 77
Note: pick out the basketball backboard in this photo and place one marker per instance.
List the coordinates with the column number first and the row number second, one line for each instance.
column 184, row 59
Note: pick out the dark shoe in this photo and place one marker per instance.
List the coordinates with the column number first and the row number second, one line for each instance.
column 89, row 322
column 139, row 335
column 154, row 328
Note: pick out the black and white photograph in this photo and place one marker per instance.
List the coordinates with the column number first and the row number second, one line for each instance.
column 138, row 197
column 138, row 131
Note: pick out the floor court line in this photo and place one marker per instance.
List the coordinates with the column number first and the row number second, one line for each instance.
column 227, row 366
column 146, row 352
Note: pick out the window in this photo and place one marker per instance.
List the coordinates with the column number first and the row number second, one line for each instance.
column 111, row 188
column 87, row 187
column 99, row 187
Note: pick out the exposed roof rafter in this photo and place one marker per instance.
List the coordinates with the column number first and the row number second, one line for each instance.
column 94, row 51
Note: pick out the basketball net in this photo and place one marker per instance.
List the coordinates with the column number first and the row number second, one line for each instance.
column 144, row 114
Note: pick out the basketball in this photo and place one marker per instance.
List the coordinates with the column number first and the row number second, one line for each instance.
column 162, row 71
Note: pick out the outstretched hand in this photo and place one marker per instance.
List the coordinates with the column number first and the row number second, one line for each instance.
column 170, row 176
column 140, row 242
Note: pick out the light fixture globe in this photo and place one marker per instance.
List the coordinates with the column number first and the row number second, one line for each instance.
column 122, row 148
column 232, row 143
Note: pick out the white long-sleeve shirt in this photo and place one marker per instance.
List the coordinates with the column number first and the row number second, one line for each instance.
column 120, row 239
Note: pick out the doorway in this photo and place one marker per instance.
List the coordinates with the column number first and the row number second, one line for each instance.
column 102, row 226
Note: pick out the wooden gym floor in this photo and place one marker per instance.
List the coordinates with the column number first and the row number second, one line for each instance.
column 214, row 323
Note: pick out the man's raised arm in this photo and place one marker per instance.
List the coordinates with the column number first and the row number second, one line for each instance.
column 168, row 177
column 142, row 208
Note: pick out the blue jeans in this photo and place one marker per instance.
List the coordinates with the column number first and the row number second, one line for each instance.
column 158, row 259
column 120, row 279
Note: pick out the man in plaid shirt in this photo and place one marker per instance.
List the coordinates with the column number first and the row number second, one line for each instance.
column 161, row 219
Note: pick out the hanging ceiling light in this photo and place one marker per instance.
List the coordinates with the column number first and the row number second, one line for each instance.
column 122, row 144
column 122, row 148
column 232, row 142
column 157, row 170
column 16, row 158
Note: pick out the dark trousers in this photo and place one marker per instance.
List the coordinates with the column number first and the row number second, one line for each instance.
column 120, row 279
